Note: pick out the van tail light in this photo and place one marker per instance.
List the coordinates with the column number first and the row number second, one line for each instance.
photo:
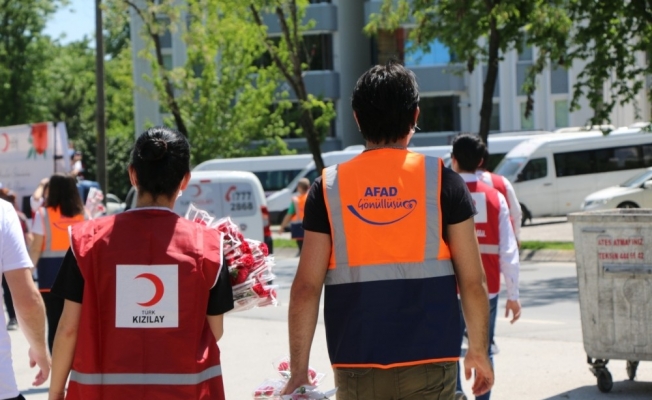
column 267, row 231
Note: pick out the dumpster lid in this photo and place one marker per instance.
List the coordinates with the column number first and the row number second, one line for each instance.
column 613, row 215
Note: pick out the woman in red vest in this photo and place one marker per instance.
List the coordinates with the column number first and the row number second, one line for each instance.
column 145, row 292
column 63, row 207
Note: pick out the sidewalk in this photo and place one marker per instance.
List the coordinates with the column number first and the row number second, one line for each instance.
column 525, row 369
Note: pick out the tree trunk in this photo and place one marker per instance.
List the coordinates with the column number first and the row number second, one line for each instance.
column 312, row 137
column 489, row 82
column 171, row 101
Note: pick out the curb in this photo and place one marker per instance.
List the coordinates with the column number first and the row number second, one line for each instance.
column 548, row 255
column 544, row 255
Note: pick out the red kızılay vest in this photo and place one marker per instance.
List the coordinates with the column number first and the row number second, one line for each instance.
column 498, row 183
column 487, row 228
column 390, row 290
column 143, row 332
column 299, row 206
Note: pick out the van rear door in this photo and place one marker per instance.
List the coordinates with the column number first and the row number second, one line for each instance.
column 233, row 198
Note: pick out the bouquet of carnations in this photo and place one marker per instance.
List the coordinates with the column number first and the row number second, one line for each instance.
column 271, row 388
column 250, row 265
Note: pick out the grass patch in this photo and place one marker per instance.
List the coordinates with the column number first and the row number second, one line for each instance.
column 281, row 243
column 537, row 245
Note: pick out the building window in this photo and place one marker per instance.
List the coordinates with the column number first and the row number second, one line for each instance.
column 494, row 123
column 438, row 114
column 437, row 54
column 167, row 62
column 526, row 123
column 317, row 52
column 558, row 80
column 561, row 113
column 165, row 39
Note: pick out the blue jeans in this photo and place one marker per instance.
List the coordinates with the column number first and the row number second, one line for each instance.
column 493, row 311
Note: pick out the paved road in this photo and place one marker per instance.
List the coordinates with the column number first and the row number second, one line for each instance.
column 554, row 229
column 541, row 356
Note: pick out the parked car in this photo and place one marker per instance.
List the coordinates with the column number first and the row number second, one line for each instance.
column 633, row 193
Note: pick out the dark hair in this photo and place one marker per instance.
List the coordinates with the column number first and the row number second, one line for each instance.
column 161, row 158
column 64, row 195
column 385, row 99
column 8, row 195
column 485, row 158
column 468, row 150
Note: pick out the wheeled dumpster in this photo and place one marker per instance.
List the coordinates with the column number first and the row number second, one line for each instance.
column 613, row 249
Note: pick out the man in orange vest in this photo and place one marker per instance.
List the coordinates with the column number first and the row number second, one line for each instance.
column 494, row 231
column 294, row 216
column 390, row 235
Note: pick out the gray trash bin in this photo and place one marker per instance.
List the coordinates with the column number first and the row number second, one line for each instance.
column 613, row 249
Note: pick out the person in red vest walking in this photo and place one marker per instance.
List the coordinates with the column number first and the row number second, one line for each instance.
column 293, row 220
column 504, row 186
column 494, row 231
column 145, row 290
column 390, row 235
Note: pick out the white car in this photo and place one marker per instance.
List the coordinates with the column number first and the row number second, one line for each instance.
column 634, row 193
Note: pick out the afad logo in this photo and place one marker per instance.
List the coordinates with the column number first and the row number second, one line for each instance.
column 386, row 199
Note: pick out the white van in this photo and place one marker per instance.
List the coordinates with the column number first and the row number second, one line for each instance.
column 274, row 172
column 552, row 174
column 235, row 194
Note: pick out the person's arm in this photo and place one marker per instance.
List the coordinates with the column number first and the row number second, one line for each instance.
column 304, row 305
column 472, row 283
column 36, row 248
column 30, row 312
column 288, row 217
column 515, row 212
column 216, row 322
column 64, row 348
column 509, row 261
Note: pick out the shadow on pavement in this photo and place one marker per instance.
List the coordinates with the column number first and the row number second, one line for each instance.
column 542, row 223
column 548, row 291
column 34, row 391
column 621, row 390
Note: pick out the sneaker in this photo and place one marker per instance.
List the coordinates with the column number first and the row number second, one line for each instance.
column 12, row 325
column 460, row 396
column 494, row 349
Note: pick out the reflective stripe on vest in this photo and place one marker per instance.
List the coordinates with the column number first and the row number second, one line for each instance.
column 489, row 249
column 386, row 308
column 146, row 379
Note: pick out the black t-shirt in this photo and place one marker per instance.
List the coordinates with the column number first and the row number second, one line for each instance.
column 70, row 285
column 456, row 204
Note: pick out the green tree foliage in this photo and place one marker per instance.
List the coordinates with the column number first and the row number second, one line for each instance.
column 69, row 90
column 611, row 37
column 24, row 56
column 287, row 55
column 480, row 32
column 220, row 98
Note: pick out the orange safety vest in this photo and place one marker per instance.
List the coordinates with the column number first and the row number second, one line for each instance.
column 299, row 205
column 143, row 332
column 55, row 244
column 390, row 290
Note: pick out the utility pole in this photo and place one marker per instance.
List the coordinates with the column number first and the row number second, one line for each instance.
column 100, row 119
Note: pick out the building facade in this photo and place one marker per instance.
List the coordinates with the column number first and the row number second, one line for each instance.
column 450, row 97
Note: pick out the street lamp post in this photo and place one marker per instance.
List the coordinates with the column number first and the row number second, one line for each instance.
column 99, row 110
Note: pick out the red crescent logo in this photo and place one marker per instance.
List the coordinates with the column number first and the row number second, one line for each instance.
column 6, row 146
column 228, row 193
column 198, row 192
column 158, row 286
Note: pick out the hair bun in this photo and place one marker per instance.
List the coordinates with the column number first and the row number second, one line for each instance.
column 153, row 150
